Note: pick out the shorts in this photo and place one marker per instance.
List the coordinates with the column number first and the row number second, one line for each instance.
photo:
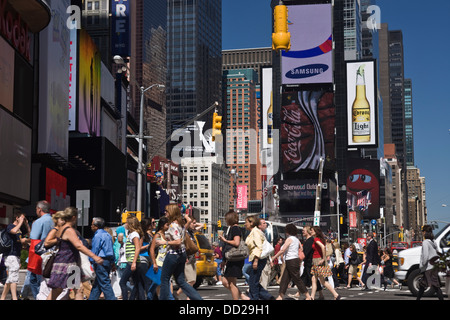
column 190, row 271
column 353, row 270
column 12, row 264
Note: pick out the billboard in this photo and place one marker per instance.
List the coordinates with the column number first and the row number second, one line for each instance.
column 56, row 190
column 267, row 108
column 363, row 187
column 73, row 85
column 362, row 118
column 310, row 59
column 120, row 14
column 15, row 157
column 54, row 86
column 6, row 75
column 89, row 86
column 307, row 129
column 241, row 201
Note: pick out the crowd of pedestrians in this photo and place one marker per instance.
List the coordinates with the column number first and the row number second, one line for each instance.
column 143, row 259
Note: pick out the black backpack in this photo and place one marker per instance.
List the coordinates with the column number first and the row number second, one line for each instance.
column 5, row 242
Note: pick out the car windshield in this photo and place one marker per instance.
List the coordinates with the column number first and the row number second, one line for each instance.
column 203, row 242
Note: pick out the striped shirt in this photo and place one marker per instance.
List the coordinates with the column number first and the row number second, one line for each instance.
column 130, row 248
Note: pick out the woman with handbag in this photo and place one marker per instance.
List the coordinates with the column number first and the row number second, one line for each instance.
column 254, row 243
column 320, row 269
column 67, row 256
column 175, row 259
column 291, row 252
column 233, row 269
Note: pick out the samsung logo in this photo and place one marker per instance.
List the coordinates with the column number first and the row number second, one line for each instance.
column 307, row 71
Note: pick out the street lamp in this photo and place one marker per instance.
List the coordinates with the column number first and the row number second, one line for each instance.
column 119, row 60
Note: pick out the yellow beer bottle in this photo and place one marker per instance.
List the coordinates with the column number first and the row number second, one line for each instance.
column 270, row 121
column 360, row 110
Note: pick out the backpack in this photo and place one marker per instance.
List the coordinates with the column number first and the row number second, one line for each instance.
column 5, row 242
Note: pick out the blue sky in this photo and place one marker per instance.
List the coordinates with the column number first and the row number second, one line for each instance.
column 247, row 24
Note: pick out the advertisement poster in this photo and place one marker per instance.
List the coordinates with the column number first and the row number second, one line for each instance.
column 361, row 104
column 89, row 86
column 307, row 130
column 241, row 202
column 363, row 187
column 310, row 59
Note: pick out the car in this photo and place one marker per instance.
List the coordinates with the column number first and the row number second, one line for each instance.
column 399, row 245
column 205, row 264
column 416, row 244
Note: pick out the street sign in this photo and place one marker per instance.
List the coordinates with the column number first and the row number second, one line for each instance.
column 373, row 222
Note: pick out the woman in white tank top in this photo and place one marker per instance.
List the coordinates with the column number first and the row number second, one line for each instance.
column 290, row 250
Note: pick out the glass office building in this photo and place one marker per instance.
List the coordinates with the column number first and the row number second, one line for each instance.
column 194, row 60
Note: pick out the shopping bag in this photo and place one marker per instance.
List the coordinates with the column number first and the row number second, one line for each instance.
column 155, row 277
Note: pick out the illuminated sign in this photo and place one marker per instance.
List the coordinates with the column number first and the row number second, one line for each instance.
column 14, row 29
column 121, row 27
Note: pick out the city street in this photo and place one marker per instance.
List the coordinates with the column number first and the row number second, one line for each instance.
column 219, row 293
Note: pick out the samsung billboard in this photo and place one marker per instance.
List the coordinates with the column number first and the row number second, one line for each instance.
column 310, row 59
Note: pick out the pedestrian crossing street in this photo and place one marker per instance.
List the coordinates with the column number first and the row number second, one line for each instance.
column 218, row 292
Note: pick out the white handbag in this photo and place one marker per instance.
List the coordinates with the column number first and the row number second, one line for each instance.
column 267, row 249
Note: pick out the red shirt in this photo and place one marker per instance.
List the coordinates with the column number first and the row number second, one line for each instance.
column 317, row 250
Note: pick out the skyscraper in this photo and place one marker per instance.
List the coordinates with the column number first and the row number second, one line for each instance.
column 194, row 60
column 242, row 147
column 409, row 128
column 396, row 84
column 148, row 65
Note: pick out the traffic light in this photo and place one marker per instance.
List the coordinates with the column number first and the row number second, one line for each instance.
column 217, row 126
column 281, row 38
column 219, row 224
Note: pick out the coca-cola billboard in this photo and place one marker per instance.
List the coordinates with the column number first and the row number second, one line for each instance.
column 307, row 130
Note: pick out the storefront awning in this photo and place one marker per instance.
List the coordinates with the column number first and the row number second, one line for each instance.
column 35, row 13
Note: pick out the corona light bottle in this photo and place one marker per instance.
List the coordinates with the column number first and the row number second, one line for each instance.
column 270, row 120
column 360, row 110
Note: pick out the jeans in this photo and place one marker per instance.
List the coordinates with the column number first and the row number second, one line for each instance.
column 102, row 282
column 35, row 283
column 257, row 292
column 174, row 265
column 246, row 271
column 138, row 282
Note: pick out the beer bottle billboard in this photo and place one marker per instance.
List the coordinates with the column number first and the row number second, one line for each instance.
column 360, row 110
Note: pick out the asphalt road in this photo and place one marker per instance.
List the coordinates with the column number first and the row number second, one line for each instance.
column 218, row 292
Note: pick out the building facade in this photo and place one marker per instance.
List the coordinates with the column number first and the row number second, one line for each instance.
column 205, row 186
column 194, row 61
column 241, row 143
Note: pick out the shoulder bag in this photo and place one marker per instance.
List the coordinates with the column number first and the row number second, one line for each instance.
column 237, row 254
column 191, row 247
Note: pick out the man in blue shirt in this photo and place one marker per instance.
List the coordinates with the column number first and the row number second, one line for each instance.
column 39, row 231
column 102, row 246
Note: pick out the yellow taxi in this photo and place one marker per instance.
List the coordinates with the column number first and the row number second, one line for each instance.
column 205, row 264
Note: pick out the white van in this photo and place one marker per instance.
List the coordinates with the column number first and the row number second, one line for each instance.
column 409, row 261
